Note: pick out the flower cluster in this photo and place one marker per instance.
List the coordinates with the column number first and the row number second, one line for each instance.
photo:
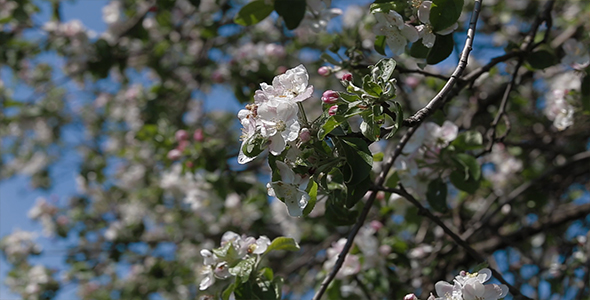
column 273, row 121
column 398, row 32
column 19, row 245
column 470, row 286
column 234, row 249
column 44, row 212
column 273, row 118
column 558, row 110
column 424, row 147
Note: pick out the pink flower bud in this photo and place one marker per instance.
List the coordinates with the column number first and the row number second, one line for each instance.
column 189, row 164
column 384, row 250
column 332, row 111
column 412, row 81
column 63, row 220
column 410, row 297
column 347, row 77
column 181, row 135
column 217, row 77
column 198, row 136
column 182, row 145
column 305, row 135
column 281, row 70
column 376, row 225
column 330, row 97
column 324, row 71
column 174, row 154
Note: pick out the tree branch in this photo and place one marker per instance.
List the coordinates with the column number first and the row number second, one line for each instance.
column 426, row 111
column 458, row 240
column 419, row 118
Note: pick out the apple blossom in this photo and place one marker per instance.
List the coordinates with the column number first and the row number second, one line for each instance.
column 346, row 77
column 426, row 31
column 324, row 71
column 397, row 33
column 332, row 111
column 330, row 97
column 576, row 54
column 290, row 189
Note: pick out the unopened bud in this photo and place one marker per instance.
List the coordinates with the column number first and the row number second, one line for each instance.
column 305, row 135
column 376, row 225
column 182, row 145
column 198, row 135
column 410, row 297
column 347, row 77
column 324, row 71
column 330, row 97
column 384, row 250
column 174, row 154
column 181, row 135
column 332, row 111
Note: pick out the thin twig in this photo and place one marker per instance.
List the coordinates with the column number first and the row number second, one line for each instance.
column 363, row 288
column 403, row 70
column 502, row 110
column 426, row 111
column 458, row 240
column 355, row 229
column 420, row 116
column 520, row 190
column 582, row 290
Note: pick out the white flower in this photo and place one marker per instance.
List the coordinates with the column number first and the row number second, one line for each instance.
column 318, row 16
column 438, row 137
column 446, row 291
column 559, row 110
column 426, row 30
column 396, row 32
column 274, row 115
column 470, row 286
column 279, row 123
column 111, row 13
column 576, row 54
column 290, row 190
column 291, row 86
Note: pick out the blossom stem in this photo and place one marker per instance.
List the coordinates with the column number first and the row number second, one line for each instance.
column 303, row 116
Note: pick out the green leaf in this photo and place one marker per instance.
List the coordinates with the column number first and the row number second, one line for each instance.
column 471, row 165
column 371, row 87
column 380, row 44
column 378, row 156
column 541, row 59
column 386, row 66
column 227, row 253
column 384, row 6
column 229, row 291
column 436, row 195
column 292, row 12
column 443, row 47
column 243, row 269
column 329, row 59
column 335, row 180
column 586, row 91
column 399, row 120
column 312, row 190
column 418, row 50
column 337, row 215
column 444, row 13
column 469, row 185
column 283, row 243
column 331, row 123
column 253, row 13
column 358, row 159
column 357, row 192
column 468, row 140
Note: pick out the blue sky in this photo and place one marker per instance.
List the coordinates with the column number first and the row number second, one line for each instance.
column 16, row 195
